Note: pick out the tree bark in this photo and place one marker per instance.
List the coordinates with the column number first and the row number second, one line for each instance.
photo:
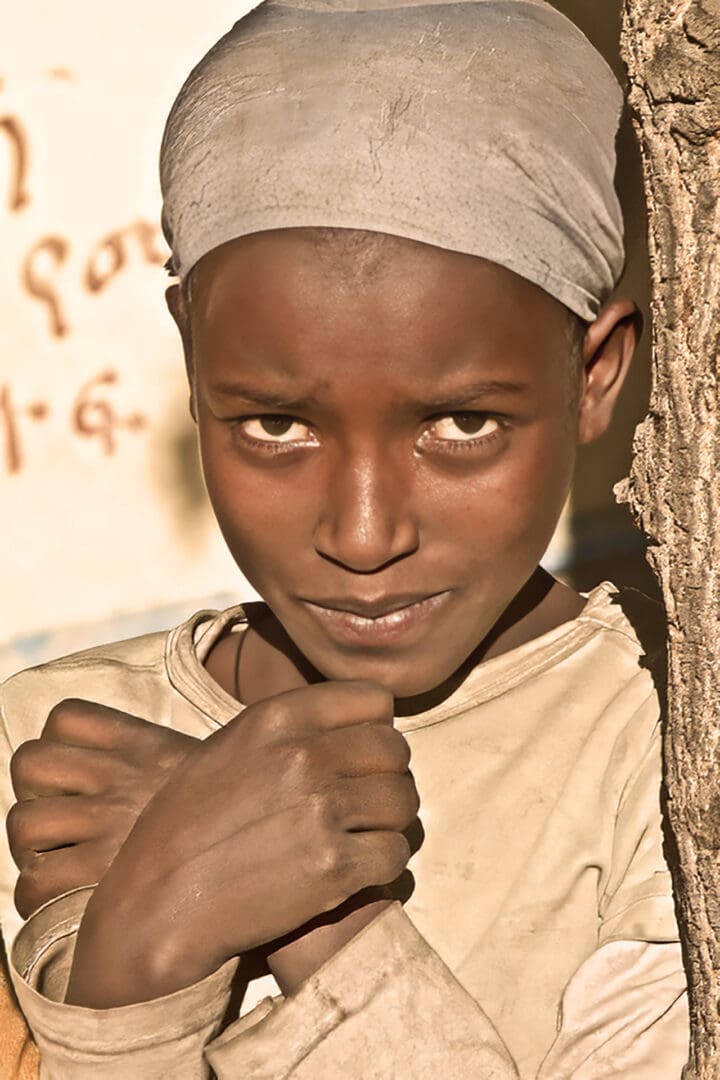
column 672, row 52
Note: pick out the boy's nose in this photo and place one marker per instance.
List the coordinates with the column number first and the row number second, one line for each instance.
column 367, row 519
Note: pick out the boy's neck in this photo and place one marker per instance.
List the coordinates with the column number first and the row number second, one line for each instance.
column 541, row 605
column 260, row 662
column 263, row 661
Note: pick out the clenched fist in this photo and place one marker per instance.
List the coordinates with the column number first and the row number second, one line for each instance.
column 80, row 788
column 294, row 806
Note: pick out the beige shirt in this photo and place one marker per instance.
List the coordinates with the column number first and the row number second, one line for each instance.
column 540, row 940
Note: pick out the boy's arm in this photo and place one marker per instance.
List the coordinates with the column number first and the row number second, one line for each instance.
column 623, row 1014
column 45, row 948
column 159, row 1040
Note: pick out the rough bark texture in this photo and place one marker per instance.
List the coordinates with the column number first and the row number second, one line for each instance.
column 672, row 50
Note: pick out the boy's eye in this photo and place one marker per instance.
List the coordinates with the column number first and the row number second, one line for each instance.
column 276, row 429
column 463, row 427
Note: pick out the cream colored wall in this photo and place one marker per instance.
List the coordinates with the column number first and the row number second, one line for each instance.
column 103, row 509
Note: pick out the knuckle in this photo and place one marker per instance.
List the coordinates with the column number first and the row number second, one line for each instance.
column 320, row 811
column 15, row 820
column 393, row 746
column 401, row 748
column 63, row 717
column 29, row 892
column 272, row 719
column 378, row 698
column 330, row 860
column 118, row 774
column 123, row 733
column 299, row 762
column 393, row 857
column 115, row 807
column 411, row 795
column 18, row 829
column 22, row 898
column 24, row 761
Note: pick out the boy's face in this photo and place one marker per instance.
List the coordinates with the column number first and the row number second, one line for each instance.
column 387, row 453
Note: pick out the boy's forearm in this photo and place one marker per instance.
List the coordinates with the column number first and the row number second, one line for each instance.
column 150, row 964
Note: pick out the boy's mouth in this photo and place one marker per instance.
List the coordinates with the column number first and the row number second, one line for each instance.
column 377, row 622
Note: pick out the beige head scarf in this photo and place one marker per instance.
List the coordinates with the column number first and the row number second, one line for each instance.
column 481, row 126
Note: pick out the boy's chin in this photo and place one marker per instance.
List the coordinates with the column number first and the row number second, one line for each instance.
column 405, row 680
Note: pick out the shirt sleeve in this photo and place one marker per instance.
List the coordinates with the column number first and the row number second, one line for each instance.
column 155, row 1040
column 625, row 1011
column 636, row 901
column 624, row 1014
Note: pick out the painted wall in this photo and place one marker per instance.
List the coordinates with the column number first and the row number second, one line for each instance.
column 103, row 507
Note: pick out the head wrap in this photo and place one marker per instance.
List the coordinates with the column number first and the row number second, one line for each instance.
column 482, row 126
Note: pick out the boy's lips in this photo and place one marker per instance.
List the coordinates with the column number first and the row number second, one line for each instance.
column 378, row 622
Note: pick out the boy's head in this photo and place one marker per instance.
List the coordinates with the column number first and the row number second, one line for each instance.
column 397, row 231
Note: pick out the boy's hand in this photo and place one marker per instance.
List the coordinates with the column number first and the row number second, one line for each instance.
column 80, row 787
column 294, row 806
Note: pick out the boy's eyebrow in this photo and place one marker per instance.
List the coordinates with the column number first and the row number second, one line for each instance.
column 472, row 393
column 263, row 397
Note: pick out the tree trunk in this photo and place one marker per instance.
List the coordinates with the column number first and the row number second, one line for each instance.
column 672, row 51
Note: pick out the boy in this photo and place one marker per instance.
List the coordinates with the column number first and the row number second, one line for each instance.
column 396, row 233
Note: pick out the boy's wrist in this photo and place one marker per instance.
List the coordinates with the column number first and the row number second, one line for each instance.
column 297, row 960
column 125, row 953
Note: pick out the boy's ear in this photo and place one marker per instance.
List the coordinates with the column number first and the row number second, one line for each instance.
column 608, row 350
column 177, row 306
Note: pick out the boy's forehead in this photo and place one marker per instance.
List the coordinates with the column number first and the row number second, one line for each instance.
column 270, row 295
column 481, row 126
column 326, row 261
